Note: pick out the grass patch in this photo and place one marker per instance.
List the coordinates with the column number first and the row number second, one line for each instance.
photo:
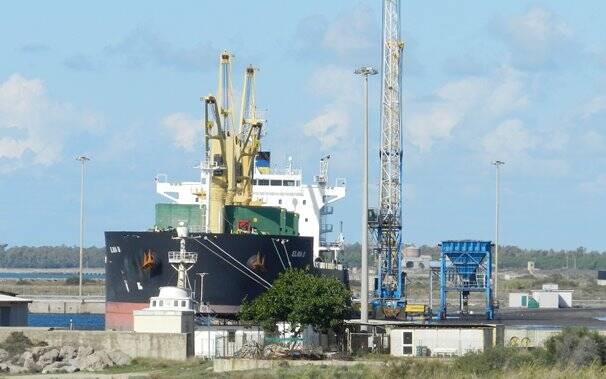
column 164, row 368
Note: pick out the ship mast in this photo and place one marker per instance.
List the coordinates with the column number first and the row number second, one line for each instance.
column 182, row 261
column 230, row 153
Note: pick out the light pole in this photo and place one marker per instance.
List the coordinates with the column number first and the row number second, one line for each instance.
column 365, row 72
column 83, row 161
column 497, row 165
column 202, row 275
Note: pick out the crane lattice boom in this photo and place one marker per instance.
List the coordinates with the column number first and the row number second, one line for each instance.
column 388, row 225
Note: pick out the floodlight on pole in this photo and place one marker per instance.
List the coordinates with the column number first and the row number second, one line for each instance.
column 82, row 159
column 497, row 165
column 365, row 72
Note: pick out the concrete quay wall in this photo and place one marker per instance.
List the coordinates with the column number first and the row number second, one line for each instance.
column 149, row 345
column 59, row 305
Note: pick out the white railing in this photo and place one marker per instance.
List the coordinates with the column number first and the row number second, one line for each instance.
column 182, row 257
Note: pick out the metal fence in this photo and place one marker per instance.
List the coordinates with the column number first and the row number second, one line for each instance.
column 53, row 290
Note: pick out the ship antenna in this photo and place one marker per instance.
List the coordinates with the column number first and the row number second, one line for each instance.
column 182, row 261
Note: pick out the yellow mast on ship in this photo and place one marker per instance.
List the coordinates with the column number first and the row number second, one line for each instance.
column 230, row 150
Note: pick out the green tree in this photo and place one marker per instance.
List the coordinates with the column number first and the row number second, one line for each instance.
column 300, row 299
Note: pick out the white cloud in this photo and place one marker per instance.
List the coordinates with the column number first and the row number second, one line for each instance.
column 342, row 90
column 536, row 38
column 484, row 99
column 526, row 151
column 596, row 185
column 509, row 139
column 437, row 122
column 142, row 47
column 351, row 35
column 185, row 130
column 594, row 106
column 349, row 32
column 593, row 140
column 33, row 123
column 330, row 127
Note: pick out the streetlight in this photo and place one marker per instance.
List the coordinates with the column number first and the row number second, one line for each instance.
column 83, row 161
column 497, row 164
column 365, row 72
column 202, row 275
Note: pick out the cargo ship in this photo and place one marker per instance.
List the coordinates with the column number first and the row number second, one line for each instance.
column 247, row 221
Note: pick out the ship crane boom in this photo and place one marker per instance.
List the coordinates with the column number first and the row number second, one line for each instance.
column 230, row 149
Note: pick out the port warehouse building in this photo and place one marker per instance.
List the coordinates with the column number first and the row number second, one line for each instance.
column 443, row 340
column 13, row 309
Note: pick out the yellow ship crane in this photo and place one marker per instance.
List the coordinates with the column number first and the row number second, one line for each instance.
column 230, row 153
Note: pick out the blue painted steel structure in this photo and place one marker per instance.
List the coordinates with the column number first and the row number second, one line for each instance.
column 387, row 226
column 465, row 267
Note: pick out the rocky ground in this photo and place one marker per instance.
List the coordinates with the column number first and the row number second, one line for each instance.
column 60, row 359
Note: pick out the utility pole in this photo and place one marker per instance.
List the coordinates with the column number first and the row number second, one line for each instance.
column 83, row 161
column 365, row 72
column 497, row 164
column 202, row 275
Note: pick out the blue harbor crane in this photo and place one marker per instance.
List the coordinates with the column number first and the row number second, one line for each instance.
column 385, row 223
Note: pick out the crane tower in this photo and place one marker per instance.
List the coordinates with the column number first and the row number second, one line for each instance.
column 386, row 223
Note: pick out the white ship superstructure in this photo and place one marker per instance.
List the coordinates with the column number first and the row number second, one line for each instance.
column 279, row 188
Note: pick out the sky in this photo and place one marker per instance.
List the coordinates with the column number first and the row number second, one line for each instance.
column 120, row 82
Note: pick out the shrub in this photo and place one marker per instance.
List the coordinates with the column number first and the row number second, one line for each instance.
column 491, row 360
column 576, row 347
column 17, row 343
column 75, row 280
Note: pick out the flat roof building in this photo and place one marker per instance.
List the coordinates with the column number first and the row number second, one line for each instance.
column 13, row 309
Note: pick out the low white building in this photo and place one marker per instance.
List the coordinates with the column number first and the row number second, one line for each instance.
column 13, row 309
column 518, row 299
column 169, row 312
column 224, row 341
column 550, row 296
column 443, row 340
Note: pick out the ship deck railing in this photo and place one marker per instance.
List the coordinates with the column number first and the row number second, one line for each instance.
column 182, row 257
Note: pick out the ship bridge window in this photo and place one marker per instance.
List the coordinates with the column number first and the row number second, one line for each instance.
column 254, row 182
column 183, row 303
column 153, row 303
column 289, row 183
column 161, row 303
column 297, row 183
column 176, row 303
column 275, row 182
column 263, row 182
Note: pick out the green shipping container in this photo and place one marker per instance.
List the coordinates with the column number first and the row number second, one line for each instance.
column 170, row 215
column 262, row 220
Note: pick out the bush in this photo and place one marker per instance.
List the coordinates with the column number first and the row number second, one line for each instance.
column 495, row 359
column 576, row 347
column 75, row 280
column 17, row 343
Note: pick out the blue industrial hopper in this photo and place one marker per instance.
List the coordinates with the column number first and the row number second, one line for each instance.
column 466, row 256
column 466, row 266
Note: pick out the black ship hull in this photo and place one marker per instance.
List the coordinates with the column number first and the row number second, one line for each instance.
column 137, row 266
